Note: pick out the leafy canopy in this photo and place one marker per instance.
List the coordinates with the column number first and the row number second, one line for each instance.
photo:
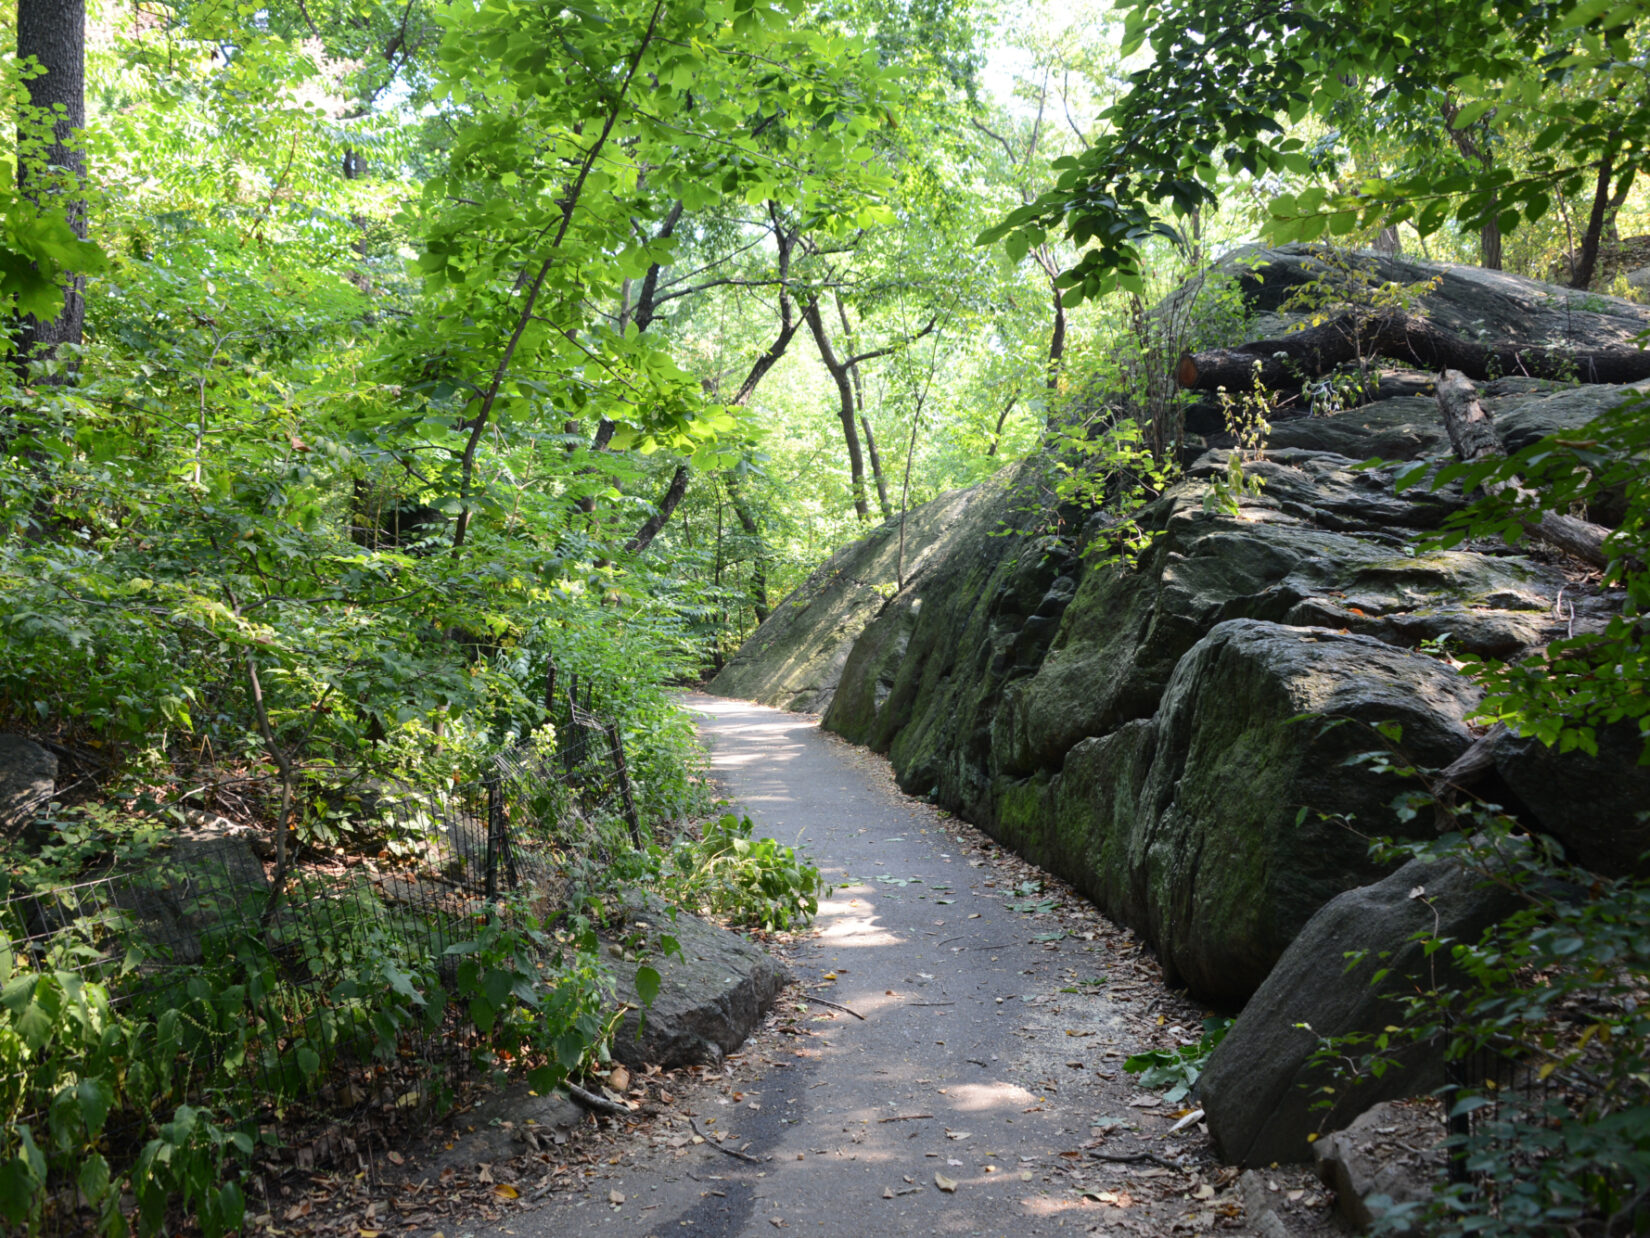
column 1229, row 79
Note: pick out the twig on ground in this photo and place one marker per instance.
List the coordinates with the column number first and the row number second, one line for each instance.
column 820, row 1001
column 905, row 1117
column 599, row 1104
column 734, row 1152
column 1137, row 1158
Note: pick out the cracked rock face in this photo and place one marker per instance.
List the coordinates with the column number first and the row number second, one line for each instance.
column 1132, row 729
column 1261, row 1086
column 711, row 995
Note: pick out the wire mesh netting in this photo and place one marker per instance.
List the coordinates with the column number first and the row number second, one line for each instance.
column 269, row 1005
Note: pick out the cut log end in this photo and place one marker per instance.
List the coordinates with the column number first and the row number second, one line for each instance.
column 1185, row 372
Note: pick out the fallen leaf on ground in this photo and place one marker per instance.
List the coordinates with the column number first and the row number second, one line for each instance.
column 505, row 1191
column 945, row 1184
column 615, row 1197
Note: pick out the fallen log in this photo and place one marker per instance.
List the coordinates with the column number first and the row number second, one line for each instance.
column 1472, row 435
column 1294, row 359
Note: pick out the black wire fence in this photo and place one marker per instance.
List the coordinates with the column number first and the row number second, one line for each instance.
column 263, row 1005
column 1499, row 1088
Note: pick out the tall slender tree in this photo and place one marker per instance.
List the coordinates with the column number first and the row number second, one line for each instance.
column 51, row 164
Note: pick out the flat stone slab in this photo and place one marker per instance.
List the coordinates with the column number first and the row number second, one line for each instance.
column 711, row 995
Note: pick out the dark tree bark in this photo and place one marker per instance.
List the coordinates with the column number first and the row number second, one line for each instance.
column 759, row 564
column 840, row 369
column 1587, row 260
column 647, row 303
column 788, row 326
column 1002, row 417
column 1473, row 143
column 53, row 32
column 1057, row 342
column 876, row 467
column 1291, row 360
column 845, row 405
column 858, row 380
column 662, row 514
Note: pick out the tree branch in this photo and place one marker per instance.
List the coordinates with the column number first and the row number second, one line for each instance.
column 569, row 204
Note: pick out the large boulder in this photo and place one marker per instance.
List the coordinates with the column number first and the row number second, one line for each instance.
column 1087, row 713
column 795, row 659
column 711, row 995
column 28, row 778
column 1598, row 807
column 1262, row 1087
column 1390, row 1158
column 1466, row 300
column 1190, row 827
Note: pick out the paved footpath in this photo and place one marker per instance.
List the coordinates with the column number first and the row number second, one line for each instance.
column 985, row 1075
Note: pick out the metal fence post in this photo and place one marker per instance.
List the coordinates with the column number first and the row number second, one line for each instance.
column 495, row 831
column 630, row 814
column 1459, row 1125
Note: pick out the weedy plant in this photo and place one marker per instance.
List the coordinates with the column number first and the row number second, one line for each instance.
column 754, row 882
column 1178, row 1070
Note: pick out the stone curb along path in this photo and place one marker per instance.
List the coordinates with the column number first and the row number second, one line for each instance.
column 982, row 1090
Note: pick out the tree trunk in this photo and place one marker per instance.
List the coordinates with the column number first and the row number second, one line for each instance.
column 661, row 516
column 876, row 467
column 1489, row 245
column 845, row 405
column 858, row 381
column 1294, row 359
column 788, row 325
column 759, row 564
column 1473, row 437
column 646, row 304
column 1057, row 343
column 1471, row 147
column 1388, row 241
column 54, row 33
column 1002, row 417
column 1587, row 261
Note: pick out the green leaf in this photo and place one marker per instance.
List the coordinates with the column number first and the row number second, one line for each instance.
column 34, row 1026
column 1472, row 113
column 570, row 1049
column 95, row 1097
column 94, row 1178
column 647, row 984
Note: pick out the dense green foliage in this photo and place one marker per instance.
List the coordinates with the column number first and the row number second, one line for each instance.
column 438, row 353
column 1557, row 89
column 1542, row 1027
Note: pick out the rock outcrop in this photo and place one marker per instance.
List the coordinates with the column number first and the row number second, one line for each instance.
column 712, row 994
column 1136, row 728
column 1262, row 1088
column 28, row 777
column 795, row 659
